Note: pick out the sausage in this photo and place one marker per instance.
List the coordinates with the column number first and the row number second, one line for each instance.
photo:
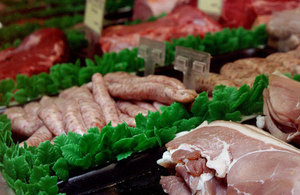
column 130, row 121
column 131, row 109
column 157, row 105
column 46, row 100
column 151, row 91
column 125, row 78
column 24, row 127
column 146, row 106
column 91, row 113
column 103, row 98
column 67, row 93
column 41, row 135
column 14, row 112
column 53, row 119
column 72, row 116
column 32, row 110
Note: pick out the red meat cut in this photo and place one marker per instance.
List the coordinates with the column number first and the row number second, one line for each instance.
column 183, row 21
column 236, row 13
column 36, row 54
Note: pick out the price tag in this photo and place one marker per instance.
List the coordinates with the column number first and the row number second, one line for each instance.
column 194, row 65
column 213, row 7
column 93, row 15
column 93, row 22
column 153, row 52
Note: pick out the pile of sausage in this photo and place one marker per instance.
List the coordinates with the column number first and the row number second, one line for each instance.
column 245, row 70
column 116, row 98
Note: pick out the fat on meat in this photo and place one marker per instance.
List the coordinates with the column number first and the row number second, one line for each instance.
column 105, row 101
column 131, row 109
column 240, row 159
column 151, row 91
column 41, row 135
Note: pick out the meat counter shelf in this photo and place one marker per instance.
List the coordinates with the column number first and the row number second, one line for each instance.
column 138, row 174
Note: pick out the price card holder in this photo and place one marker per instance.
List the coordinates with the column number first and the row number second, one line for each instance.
column 153, row 52
column 93, row 22
column 194, row 65
column 211, row 7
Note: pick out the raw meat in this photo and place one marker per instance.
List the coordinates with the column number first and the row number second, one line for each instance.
column 36, row 54
column 102, row 97
column 240, row 159
column 151, row 91
column 131, row 109
column 183, row 21
column 41, row 135
column 144, row 9
column 282, row 108
column 146, row 106
column 236, row 13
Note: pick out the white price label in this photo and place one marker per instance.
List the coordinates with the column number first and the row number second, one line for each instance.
column 211, row 6
column 93, row 16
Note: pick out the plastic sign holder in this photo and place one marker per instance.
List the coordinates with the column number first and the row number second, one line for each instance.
column 153, row 52
column 194, row 65
column 211, row 7
column 93, row 22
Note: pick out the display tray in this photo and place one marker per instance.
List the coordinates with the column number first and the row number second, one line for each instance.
column 139, row 174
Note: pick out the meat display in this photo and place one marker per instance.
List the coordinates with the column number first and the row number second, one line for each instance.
column 230, row 158
column 144, row 9
column 282, row 108
column 183, row 21
column 245, row 70
column 244, row 12
column 36, row 54
column 96, row 104
column 284, row 30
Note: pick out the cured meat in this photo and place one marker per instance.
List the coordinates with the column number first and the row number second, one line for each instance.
column 174, row 185
column 151, row 91
column 102, row 97
column 53, row 119
column 183, row 21
column 144, row 9
column 91, row 113
column 36, row 54
column 282, row 108
column 146, row 106
column 131, row 109
column 125, row 78
column 240, row 159
column 72, row 116
column 41, row 135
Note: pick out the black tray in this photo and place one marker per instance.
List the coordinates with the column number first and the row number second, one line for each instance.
column 138, row 174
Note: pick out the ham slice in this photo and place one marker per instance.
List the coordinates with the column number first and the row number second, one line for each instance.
column 240, row 159
column 282, row 107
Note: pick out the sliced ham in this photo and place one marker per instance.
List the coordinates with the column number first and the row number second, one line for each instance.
column 282, row 107
column 241, row 159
